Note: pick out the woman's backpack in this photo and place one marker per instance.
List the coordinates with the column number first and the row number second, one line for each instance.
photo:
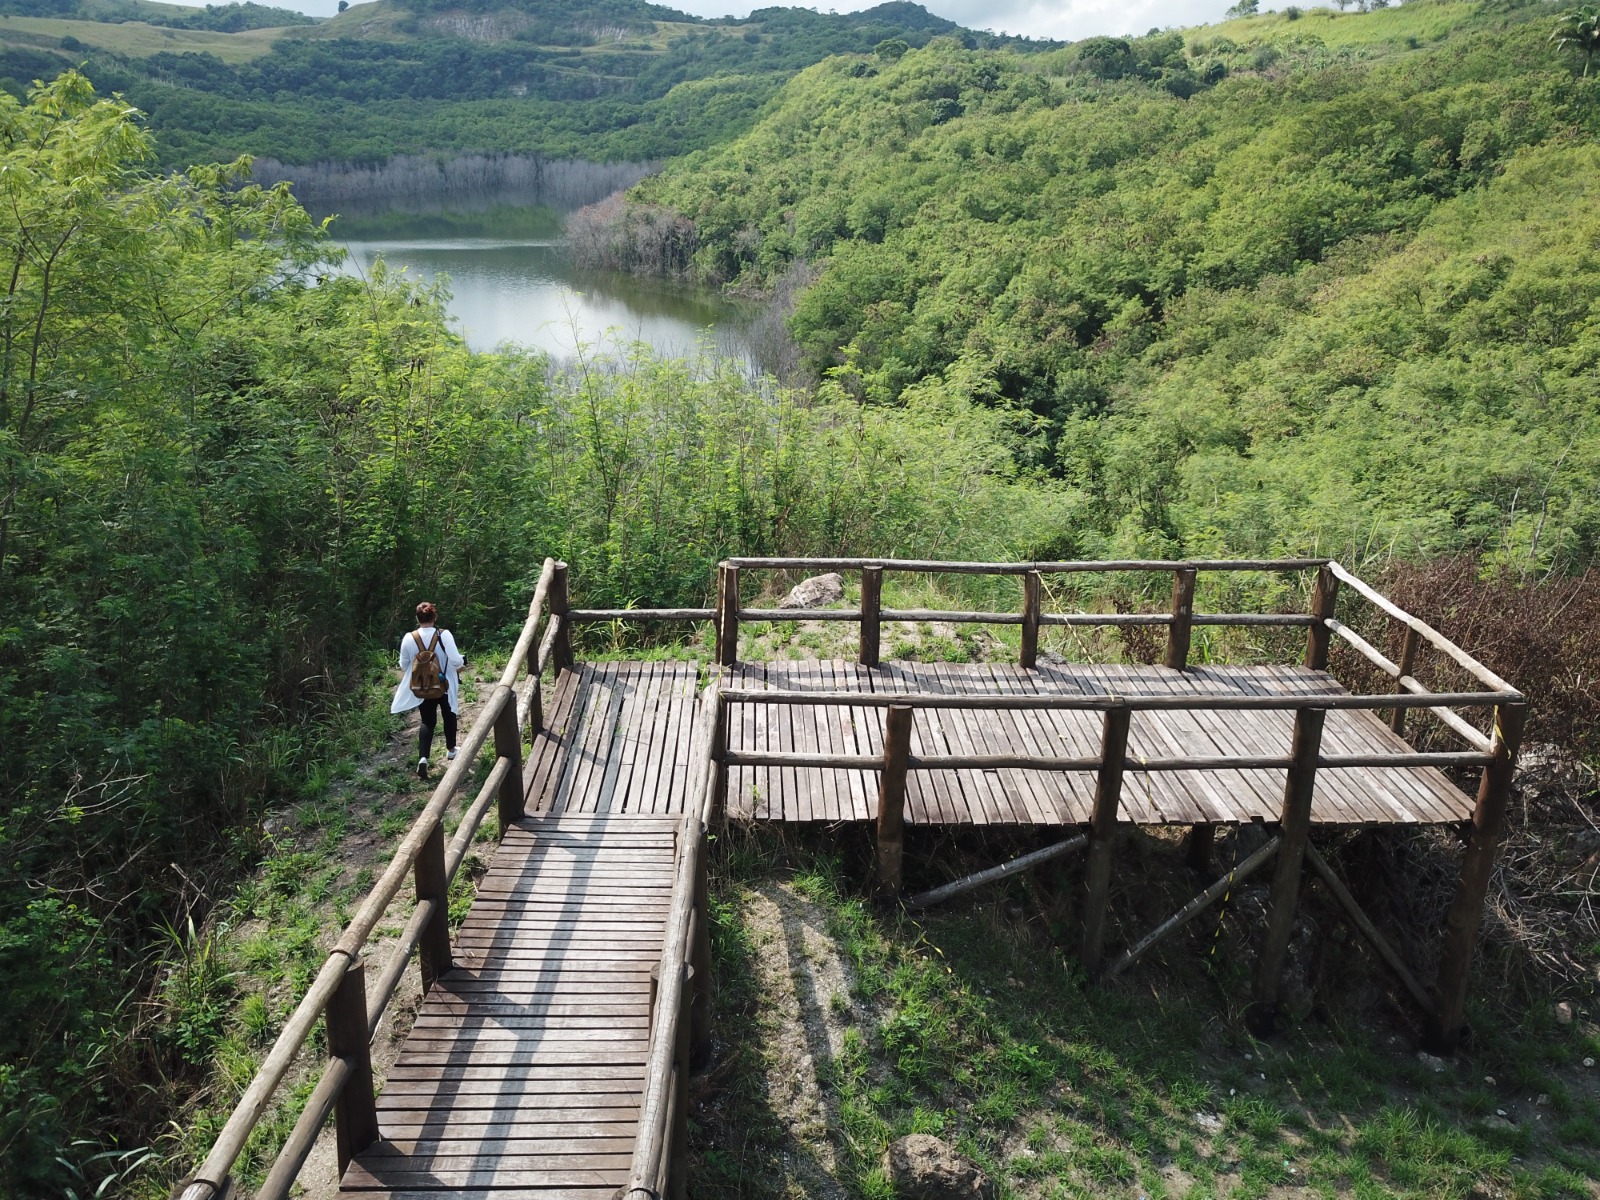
column 427, row 673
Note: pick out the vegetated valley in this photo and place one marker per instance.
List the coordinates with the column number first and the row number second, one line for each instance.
column 1310, row 282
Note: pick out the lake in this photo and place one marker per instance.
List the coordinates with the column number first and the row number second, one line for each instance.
column 510, row 282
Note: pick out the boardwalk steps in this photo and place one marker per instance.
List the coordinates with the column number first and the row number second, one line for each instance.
column 525, row 1068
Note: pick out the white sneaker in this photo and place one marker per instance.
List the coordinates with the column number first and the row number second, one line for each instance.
column 451, row 757
column 422, row 768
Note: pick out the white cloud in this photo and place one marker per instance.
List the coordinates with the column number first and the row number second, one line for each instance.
column 1064, row 19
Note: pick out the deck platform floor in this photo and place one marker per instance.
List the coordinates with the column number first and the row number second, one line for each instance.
column 1344, row 796
column 524, row 1073
column 617, row 739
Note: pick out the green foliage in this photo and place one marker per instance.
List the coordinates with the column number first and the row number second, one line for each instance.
column 602, row 80
column 1579, row 32
column 1322, row 304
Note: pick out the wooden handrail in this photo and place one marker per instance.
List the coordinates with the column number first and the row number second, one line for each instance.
column 210, row 1180
column 665, row 1077
column 1049, row 762
column 1452, row 651
column 1030, row 701
column 936, row 567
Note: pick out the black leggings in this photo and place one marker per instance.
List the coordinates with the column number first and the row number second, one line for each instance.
column 430, row 714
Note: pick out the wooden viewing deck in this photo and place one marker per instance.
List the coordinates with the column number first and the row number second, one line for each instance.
column 551, row 1053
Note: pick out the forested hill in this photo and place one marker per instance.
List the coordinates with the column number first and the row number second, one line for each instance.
column 1286, row 284
column 600, row 80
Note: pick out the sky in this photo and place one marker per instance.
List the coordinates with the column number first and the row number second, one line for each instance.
column 1068, row 20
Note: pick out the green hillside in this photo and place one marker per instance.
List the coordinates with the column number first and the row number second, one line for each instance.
column 1253, row 289
column 599, row 80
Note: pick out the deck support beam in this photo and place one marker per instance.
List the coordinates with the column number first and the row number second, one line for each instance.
column 508, row 745
column 1324, row 597
column 1180, row 631
column 1408, row 659
column 355, row 1112
column 1466, row 911
column 1197, row 846
column 433, row 883
column 560, row 605
column 871, row 608
column 1032, row 603
column 1294, row 836
column 727, row 625
column 892, row 797
column 1368, row 929
column 1102, row 836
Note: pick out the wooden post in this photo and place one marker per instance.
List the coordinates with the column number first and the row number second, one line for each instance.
column 1032, row 600
column 355, row 1113
column 700, row 958
column 1323, row 597
column 1198, row 851
column 1294, row 833
column 561, row 650
column 1466, row 911
column 508, row 744
column 678, row 1135
column 892, row 796
column 1178, row 633
column 719, row 757
column 1408, row 659
column 871, row 606
column 727, row 616
column 433, row 884
column 1102, row 836
column 536, row 706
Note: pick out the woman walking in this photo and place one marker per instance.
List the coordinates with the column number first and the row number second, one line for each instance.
column 430, row 678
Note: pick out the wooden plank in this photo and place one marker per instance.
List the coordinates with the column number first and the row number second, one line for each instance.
column 817, row 737
column 550, row 743
column 638, row 724
column 1032, row 798
column 856, row 796
column 1017, row 790
column 358, row 1178
column 560, row 785
column 676, row 789
column 598, row 725
column 658, row 738
column 1044, row 794
column 985, row 798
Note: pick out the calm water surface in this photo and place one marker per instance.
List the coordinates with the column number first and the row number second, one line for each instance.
column 520, row 288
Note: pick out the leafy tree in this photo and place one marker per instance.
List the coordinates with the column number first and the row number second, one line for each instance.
column 1579, row 31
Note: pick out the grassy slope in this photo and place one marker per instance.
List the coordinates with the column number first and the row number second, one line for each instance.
column 973, row 1024
column 135, row 39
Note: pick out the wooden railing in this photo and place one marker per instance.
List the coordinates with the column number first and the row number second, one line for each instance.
column 680, row 1014
column 340, row 993
column 1493, row 752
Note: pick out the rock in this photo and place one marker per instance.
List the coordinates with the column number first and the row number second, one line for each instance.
column 1497, row 1122
column 815, row 592
column 1432, row 1062
column 1565, row 1012
column 1588, row 1062
column 921, row 1167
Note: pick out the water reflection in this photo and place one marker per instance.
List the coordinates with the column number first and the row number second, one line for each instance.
column 519, row 287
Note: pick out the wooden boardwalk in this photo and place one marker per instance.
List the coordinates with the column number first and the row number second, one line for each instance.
column 1344, row 796
column 616, row 740
column 524, row 1073
column 551, row 1056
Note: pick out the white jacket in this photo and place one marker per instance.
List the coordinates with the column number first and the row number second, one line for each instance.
column 404, row 699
